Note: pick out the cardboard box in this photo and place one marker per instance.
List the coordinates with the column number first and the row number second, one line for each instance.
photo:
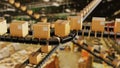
column 41, row 30
column 30, row 12
column 3, row 26
column 17, row 4
column 62, row 28
column 20, row 66
column 46, row 48
column 19, row 28
column 98, row 24
column 23, row 8
column 44, row 19
column 36, row 16
column 75, row 22
column 117, row 26
column 11, row 1
column 35, row 58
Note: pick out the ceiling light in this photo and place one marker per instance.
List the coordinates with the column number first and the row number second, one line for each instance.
column 67, row 10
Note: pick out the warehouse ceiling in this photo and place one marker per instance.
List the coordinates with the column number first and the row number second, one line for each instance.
column 108, row 8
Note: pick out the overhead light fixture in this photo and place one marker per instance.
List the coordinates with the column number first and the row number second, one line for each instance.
column 56, row 4
column 46, row 0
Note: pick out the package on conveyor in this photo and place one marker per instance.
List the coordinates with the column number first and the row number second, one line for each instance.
column 23, row 8
column 11, row 1
column 46, row 48
column 35, row 58
column 19, row 28
column 98, row 24
column 44, row 19
column 20, row 66
column 3, row 26
column 117, row 25
column 62, row 28
column 17, row 4
column 36, row 15
column 30, row 12
column 75, row 22
column 41, row 30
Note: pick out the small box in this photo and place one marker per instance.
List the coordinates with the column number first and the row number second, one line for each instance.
column 117, row 26
column 19, row 28
column 62, row 28
column 11, row 1
column 3, row 26
column 17, row 4
column 41, row 30
column 36, row 16
column 44, row 19
column 35, row 58
column 75, row 22
column 30, row 12
column 98, row 24
column 20, row 66
column 46, row 48
column 23, row 8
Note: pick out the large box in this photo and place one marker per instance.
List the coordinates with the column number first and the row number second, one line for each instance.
column 3, row 26
column 98, row 24
column 75, row 22
column 62, row 28
column 35, row 58
column 41, row 30
column 19, row 28
column 46, row 48
column 117, row 26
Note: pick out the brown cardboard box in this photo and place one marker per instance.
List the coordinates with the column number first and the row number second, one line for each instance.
column 35, row 58
column 37, row 15
column 41, row 30
column 11, row 1
column 117, row 26
column 44, row 19
column 62, row 28
column 17, row 4
column 75, row 22
column 30, row 12
column 20, row 66
column 46, row 48
column 3, row 26
column 98, row 24
column 19, row 28
column 23, row 8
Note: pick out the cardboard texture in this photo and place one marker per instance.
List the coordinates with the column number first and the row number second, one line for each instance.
column 19, row 28
column 75, row 22
column 20, row 66
column 117, row 26
column 35, row 58
column 41, row 30
column 62, row 28
column 3, row 26
column 98, row 24
column 46, row 48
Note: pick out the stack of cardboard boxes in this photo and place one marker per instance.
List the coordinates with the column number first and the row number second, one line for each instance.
column 19, row 28
column 117, row 26
column 3, row 26
column 75, row 22
column 98, row 24
column 62, row 28
column 41, row 30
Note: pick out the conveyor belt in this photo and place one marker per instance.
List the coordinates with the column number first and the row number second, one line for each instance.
column 47, row 57
column 85, row 48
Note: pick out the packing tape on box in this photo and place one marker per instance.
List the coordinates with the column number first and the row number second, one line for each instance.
column 45, row 28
